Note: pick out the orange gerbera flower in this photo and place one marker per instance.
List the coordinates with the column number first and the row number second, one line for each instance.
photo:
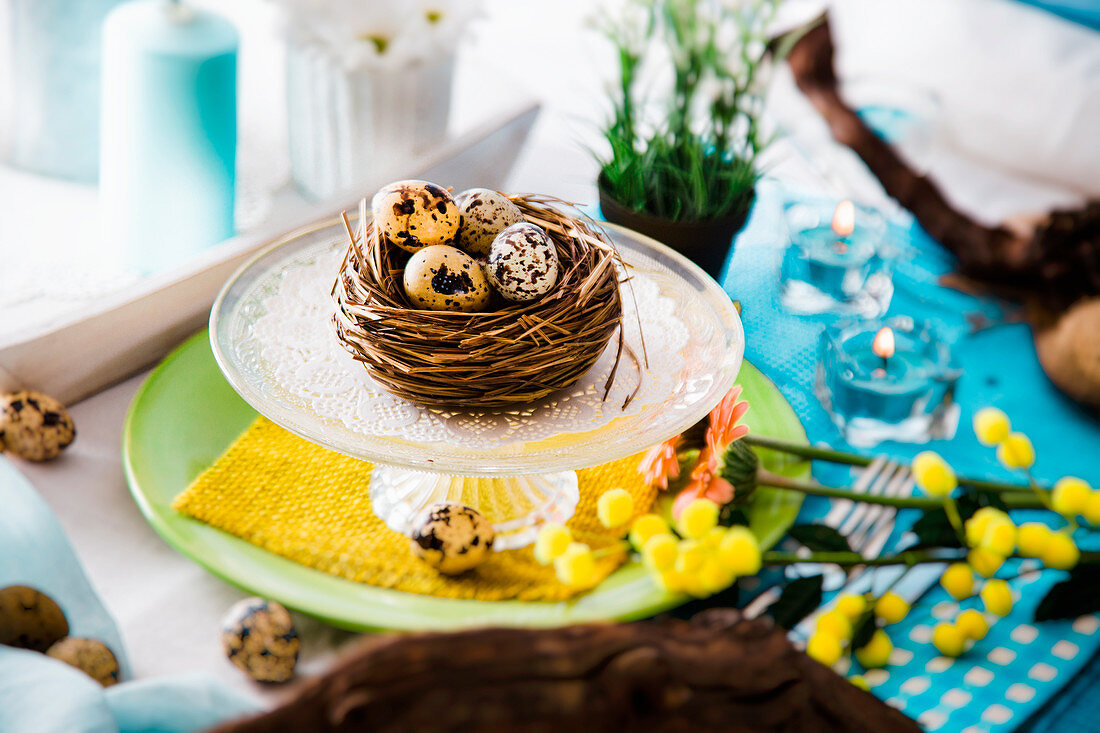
column 661, row 463
column 704, row 483
column 723, row 428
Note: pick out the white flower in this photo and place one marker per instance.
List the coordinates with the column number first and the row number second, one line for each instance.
column 446, row 21
column 381, row 32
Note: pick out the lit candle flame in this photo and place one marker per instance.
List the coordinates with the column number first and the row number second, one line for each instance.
column 883, row 345
column 844, row 218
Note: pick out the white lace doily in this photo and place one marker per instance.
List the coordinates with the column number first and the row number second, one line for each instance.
column 292, row 342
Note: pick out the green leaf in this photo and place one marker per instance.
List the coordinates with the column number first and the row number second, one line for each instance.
column 799, row 599
column 732, row 515
column 933, row 529
column 1075, row 596
column 820, row 538
column 989, row 498
column 864, row 629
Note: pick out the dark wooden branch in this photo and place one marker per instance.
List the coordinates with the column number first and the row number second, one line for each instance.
column 715, row 673
column 1058, row 263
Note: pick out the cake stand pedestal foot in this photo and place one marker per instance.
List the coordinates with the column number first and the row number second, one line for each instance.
column 516, row 505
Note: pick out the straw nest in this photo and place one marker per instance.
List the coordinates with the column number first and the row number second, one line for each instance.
column 507, row 357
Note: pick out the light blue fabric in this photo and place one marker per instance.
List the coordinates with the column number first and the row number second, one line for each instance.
column 180, row 704
column 34, row 551
column 43, row 695
column 1000, row 369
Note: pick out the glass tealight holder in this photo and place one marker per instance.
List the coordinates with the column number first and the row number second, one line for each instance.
column 887, row 380
column 835, row 260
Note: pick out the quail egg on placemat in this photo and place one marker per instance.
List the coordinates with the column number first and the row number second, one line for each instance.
column 415, row 214
column 452, row 537
column 442, row 278
column 485, row 214
column 523, row 263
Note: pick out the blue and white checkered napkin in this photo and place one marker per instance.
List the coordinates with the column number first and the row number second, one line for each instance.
column 1008, row 676
column 1002, row 681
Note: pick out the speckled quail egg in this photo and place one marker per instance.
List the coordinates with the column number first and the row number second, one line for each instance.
column 442, row 278
column 34, row 426
column 30, row 619
column 415, row 214
column 92, row 657
column 259, row 637
column 523, row 263
column 485, row 214
column 452, row 537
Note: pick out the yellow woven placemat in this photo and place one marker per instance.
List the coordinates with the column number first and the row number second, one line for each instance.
column 311, row 505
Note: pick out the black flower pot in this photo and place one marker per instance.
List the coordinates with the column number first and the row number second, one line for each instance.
column 706, row 243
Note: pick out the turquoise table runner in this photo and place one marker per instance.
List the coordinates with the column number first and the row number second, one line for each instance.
column 1019, row 667
column 1085, row 12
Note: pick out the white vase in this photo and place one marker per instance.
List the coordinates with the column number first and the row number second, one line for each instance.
column 347, row 124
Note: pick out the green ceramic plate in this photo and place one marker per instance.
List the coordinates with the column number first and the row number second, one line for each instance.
column 186, row 415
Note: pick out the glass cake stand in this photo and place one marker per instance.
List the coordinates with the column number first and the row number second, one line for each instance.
column 524, row 472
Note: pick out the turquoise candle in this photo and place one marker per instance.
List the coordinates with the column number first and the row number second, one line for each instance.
column 834, row 266
column 169, row 132
column 891, row 380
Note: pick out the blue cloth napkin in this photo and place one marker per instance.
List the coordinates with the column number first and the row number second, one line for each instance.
column 34, row 551
column 41, row 694
column 1020, row 666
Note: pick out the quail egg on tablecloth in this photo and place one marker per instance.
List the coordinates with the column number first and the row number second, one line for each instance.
column 92, row 657
column 485, row 214
column 415, row 214
column 30, row 619
column 452, row 537
column 34, row 426
column 259, row 637
column 442, row 278
column 523, row 263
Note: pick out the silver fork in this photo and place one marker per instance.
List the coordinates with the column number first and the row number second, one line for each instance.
column 870, row 540
column 867, row 526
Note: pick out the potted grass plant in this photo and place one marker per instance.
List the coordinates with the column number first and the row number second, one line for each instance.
column 682, row 138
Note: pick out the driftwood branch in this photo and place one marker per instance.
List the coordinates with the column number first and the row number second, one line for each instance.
column 715, row 673
column 1056, row 263
column 1052, row 266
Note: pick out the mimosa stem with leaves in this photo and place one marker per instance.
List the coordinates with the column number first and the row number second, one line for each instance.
column 915, row 557
column 1014, row 500
column 852, row 459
